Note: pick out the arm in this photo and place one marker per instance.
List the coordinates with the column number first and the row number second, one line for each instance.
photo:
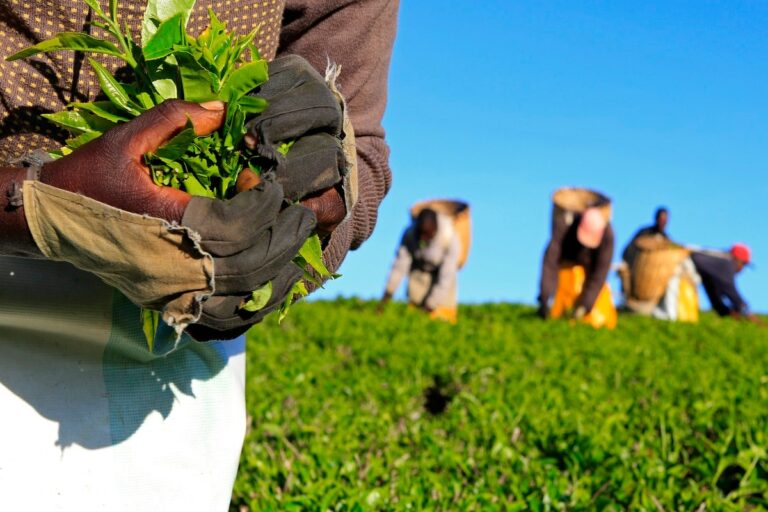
column 738, row 304
column 358, row 35
column 599, row 272
column 551, row 261
column 400, row 268
column 446, row 275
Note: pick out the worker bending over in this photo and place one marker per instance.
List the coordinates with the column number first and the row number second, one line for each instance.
column 575, row 267
column 718, row 272
column 429, row 254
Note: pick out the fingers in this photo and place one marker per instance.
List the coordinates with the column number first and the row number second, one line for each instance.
column 246, row 180
column 228, row 227
column 156, row 126
column 276, row 248
column 314, row 162
column 329, row 209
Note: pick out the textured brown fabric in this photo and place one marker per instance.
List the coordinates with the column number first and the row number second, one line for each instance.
column 46, row 83
column 358, row 35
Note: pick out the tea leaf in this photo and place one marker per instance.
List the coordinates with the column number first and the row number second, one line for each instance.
column 312, row 252
column 163, row 10
column 259, row 298
column 103, row 109
column 168, row 34
column 150, row 323
column 69, row 41
column 243, row 80
column 196, row 80
column 114, row 91
column 178, row 145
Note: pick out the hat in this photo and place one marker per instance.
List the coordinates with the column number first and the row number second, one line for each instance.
column 591, row 228
column 742, row 252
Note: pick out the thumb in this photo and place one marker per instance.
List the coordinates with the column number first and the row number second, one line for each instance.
column 156, row 126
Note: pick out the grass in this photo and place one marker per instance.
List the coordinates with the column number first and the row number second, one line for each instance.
column 350, row 411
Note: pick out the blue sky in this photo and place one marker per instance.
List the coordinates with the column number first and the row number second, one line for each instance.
column 650, row 102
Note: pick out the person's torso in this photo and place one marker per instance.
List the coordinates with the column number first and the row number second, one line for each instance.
column 429, row 256
column 574, row 253
column 47, row 83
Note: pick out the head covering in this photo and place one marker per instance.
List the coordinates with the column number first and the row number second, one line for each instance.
column 591, row 228
column 742, row 252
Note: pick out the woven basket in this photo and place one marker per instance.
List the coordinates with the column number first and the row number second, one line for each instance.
column 568, row 201
column 652, row 267
column 458, row 211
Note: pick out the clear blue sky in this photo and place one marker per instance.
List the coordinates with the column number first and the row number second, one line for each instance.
column 501, row 102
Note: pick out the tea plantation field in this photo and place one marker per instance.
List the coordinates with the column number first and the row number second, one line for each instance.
column 350, row 411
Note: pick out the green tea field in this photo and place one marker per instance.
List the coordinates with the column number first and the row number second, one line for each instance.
column 352, row 411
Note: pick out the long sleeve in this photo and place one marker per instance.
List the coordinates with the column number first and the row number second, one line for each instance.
column 597, row 275
column 446, row 276
column 358, row 35
column 400, row 267
column 551, row 261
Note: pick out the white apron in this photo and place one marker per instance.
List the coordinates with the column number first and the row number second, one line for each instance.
column 90, row 420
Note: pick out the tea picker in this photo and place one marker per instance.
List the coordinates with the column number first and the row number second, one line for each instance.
column 432, row 250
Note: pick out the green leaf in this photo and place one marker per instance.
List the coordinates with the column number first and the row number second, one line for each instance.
column 243, row 80
column 178, row 145
column 193, row 186
column 103, row 109
column 259, row 298
column 169, row 33
column 252, row 104
column 196, row 80
column 312, row 252
column 113, row 10
column 71, row 120
column 163, row 10
column 150, row 322
column 114, row 91
column 74, row 41
column 82, row 139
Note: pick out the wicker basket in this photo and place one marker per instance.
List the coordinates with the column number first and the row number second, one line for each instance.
column 572, row 200
column 458, row 211
column 653, row 265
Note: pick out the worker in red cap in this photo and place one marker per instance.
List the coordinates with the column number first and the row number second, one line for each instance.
column 718, row 272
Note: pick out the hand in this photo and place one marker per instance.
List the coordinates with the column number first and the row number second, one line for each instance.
column 304, row 111
column 253, row 240
column 543, row 311
column 111, row 168
column 579, row 313
column 328, row 205
column 383, row 303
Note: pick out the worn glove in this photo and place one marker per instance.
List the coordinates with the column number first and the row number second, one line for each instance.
column 252, row 241
column 309, row 112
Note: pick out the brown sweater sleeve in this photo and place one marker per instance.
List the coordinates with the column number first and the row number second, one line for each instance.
column 551, row 261
column 358, row 35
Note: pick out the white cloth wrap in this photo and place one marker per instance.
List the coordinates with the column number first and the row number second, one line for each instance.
column 92, row 420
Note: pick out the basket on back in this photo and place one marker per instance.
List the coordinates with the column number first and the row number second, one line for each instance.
column 654, row 262
column 569, row 201
column 458, row 211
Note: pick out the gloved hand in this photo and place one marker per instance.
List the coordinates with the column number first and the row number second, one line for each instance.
column 156, row 264
column 303, row 110
column 543, row 311
column 245, row 263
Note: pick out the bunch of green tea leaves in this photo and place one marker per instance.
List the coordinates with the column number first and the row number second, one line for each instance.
column 170, row 63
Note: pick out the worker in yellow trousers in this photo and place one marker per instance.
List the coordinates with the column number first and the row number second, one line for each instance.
column 575, row 268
